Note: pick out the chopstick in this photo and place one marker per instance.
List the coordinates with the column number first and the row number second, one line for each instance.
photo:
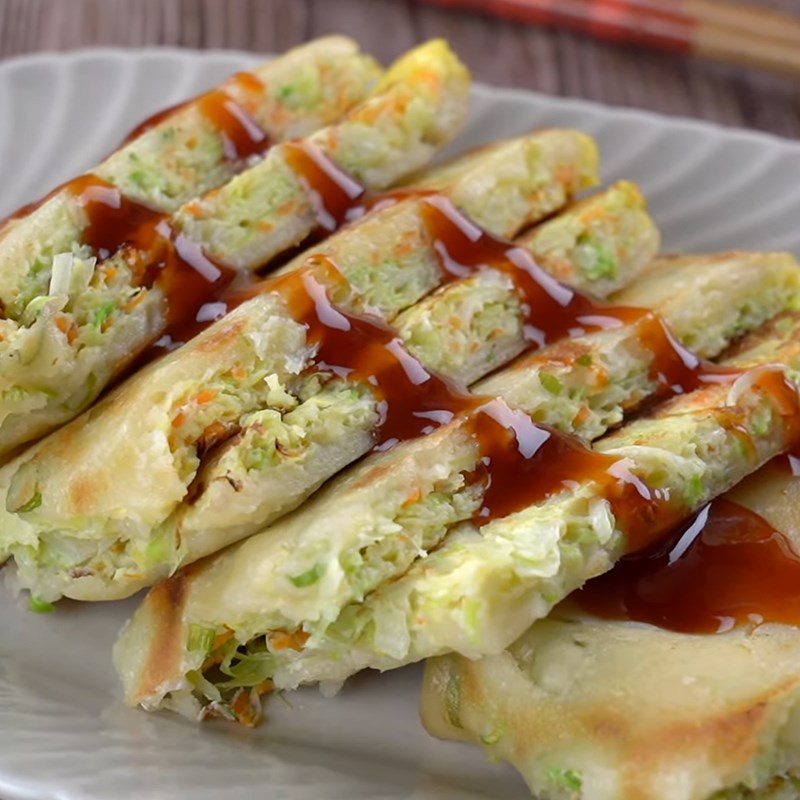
column 715, row 29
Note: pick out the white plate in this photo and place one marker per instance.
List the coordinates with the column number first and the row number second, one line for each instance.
column 63, row 731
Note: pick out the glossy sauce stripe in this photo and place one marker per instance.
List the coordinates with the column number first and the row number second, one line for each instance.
column 677, row 584
column 520, row 462
column 186, row 275
column 552, row 310
column 414, row 401
column 523, row 463
column 189, row 278
column 241, row 134
column 727, row 567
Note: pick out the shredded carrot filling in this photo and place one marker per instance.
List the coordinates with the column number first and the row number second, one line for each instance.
column 287, row 207
column 180, row 418
column 592, row 214
column 430, row 77
column 414, row 497
column 222, row 638
column 206, row 396
column 566, row 174
column 195, row 209
column 215, row 658
column 134, row 301
column 406, row 244
column 582, row 416
column 242, row 707
column 67, row 327
column 281, row 640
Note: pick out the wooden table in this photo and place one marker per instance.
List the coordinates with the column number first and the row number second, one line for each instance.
column 549, row 61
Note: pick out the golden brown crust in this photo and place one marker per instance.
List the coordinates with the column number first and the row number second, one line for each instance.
column 702, row 711
column 163, row 609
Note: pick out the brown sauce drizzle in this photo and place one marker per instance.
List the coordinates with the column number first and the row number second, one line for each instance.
column 553, row 310
column 524, row 463
column 521, row 463
column 242, row 136
column 186, row 275
column 413, row 401
column 334, row 194
column 676, row 368
column 727, row 567
column 789, row 463
column 113, row 220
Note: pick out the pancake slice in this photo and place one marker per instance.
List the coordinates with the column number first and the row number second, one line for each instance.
column 603, row 708
column 246, row 420
column 346, row 582
column 131, row 275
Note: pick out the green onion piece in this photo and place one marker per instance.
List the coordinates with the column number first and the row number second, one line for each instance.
column 33, row 503
column 40, row 606
column 103, row 313
column 550, row 382
column 200, row 639
column 452, row 700
column 308, row 578
column 566, row 778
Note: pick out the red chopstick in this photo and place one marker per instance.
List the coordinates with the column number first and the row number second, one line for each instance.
column 714, row 28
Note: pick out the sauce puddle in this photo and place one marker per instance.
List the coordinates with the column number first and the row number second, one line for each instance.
column 727, row 567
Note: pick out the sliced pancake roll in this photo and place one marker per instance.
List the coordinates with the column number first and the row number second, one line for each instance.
column 686, row 687
column 488, row 582
column 168, row 160
column 267, row 468
column 184, row 151
column 418, row 107
column 585, row 385
column 477, row 324
column 245, row 421
column 556, row 166
column 392, row 258
column 187, row 151
column 72, row 323
column 344, row 583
